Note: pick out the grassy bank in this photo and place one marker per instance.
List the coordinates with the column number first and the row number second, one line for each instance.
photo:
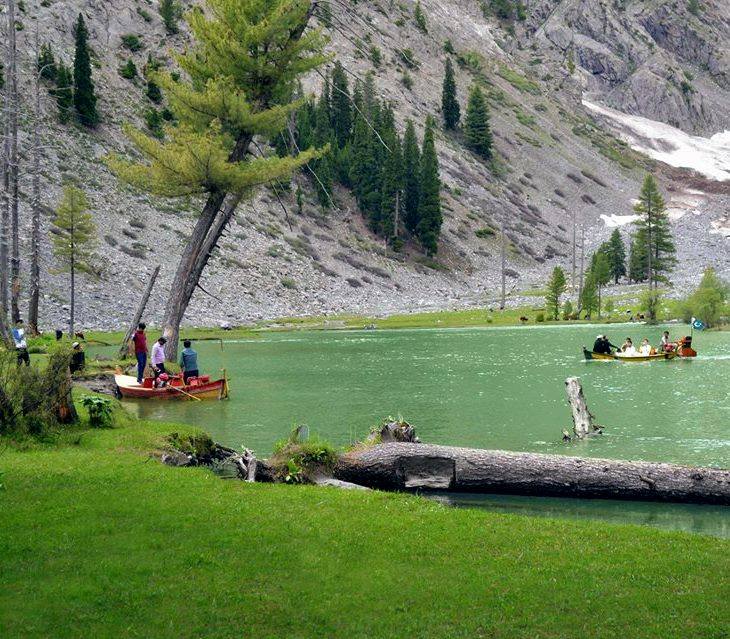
column 98, row 539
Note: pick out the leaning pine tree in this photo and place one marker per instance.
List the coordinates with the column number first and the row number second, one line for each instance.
column 239, row 76
column 84, row 97
column 429, row 224
column 476, row 127
column 73, row 240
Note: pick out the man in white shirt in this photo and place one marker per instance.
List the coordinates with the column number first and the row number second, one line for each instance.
column 158, row 357
column 21, row 345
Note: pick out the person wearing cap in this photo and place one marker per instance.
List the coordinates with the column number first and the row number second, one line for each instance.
column 158, row 357
column 78, row 358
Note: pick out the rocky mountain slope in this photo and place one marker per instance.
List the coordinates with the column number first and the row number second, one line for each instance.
column 557, row 158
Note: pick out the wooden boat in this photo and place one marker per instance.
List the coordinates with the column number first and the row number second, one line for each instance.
column 590, row 355
column 197, row 388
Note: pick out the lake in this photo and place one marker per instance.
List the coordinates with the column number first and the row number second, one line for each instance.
column 488, row 388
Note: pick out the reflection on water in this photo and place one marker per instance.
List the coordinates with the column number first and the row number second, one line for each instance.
column 706, row 520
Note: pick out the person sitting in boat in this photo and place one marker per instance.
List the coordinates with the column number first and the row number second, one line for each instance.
column 666, row 344
column 628, row 348
column 645, row 348
column 602, row 345
column 158, row 357
column 162, row 380
column 188, row 362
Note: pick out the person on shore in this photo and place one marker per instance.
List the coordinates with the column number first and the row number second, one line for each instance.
column 78, row 358
column 21, row 345
column 188, row 362
column 140, row 350
column 645, row 348
column 158, row 357
column 628, row 348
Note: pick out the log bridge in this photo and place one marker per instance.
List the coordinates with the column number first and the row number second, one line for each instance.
column 408, row 466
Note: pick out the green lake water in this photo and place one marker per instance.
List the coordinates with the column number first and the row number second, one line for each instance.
column 488, row 388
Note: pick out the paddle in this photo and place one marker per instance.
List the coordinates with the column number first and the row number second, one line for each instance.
column 180, row 390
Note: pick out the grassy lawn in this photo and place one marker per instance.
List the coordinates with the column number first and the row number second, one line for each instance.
column 99, row 540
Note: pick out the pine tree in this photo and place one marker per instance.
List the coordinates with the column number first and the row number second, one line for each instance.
column 170, row 13
column 237, row 80
column 322, row 167
column 391, row 200
column 637, row 262
column 589, row 295
column 420, row 18
column 411, row 178
column 449, row 102
column 653, row 233
column 555, row 288
column 616, row 254
column 429, row 224
column 46, row 64
column 74, row 239
column 601, row 272
column 84, row 97
column 478, row 134
column 341, row 108
column 367, row 153
column 64, row 93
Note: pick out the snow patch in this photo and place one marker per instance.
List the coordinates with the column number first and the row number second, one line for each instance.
column 708, row 156
column 614, row 221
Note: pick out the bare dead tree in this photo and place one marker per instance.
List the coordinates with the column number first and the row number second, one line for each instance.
column 12, row 160
column 5, row 167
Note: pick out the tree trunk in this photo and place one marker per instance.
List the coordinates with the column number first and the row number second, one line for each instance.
column 188, row 271
column 13, row 162
column 583, row 425
column 582, row 264
column 35, row 235
column 410, row 466
column 573, row 262
column 124, row 348
column 503, row 300
column 73, row 300
column 4, row 274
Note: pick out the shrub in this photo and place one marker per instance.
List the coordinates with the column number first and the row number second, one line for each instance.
column 288, row 282
column 484, row 233
column 376, row 57
column 129, row 70
column 567, row 310
column 132, row 42
column 708, row 301
column 540, row 317
column 407, row 80
column 408, row 58
column 100, row 411
column 295, row 461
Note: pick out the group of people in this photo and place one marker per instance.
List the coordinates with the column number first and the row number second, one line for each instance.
column 602, row 345
column 77, row 362
column 188, row 358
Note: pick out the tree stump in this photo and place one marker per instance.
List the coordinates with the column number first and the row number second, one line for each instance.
column 583, row 425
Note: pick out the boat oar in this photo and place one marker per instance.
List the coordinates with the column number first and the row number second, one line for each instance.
column 180, row 390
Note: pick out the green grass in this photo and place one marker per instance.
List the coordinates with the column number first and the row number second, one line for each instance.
column 100, row 540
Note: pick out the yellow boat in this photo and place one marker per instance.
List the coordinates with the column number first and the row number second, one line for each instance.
column 590, row 355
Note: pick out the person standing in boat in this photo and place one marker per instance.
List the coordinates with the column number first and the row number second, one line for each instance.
column 189, row 362
column 158, row 357
column 140, row 350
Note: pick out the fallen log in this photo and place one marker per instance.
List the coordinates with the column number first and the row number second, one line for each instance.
column 124, row 348
column 400, row 466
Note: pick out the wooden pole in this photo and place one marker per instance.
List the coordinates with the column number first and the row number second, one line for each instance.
column 140, row 310
column 502, row 302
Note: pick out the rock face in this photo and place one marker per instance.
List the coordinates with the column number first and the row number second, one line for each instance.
column 556, row 162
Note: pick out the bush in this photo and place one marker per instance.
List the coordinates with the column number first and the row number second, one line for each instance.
column 131, row 42
column 34, row 401
column 376, row 57
column 540, row 317
column 567, row 310
column 100, row 411
column 296, row 461
column 129, row 70
column 649, row 303
column 708, row 301
column 288, row 282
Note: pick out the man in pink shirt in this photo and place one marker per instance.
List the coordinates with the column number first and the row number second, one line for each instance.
column 158, row 357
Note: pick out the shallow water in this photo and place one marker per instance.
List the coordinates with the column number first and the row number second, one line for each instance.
column 489, row 388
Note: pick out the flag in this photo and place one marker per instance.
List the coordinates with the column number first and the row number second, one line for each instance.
column 697, row 324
